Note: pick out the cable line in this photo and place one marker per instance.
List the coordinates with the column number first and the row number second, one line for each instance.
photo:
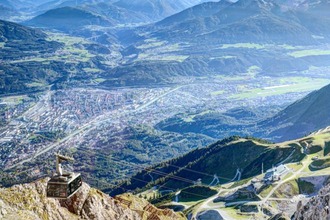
column 174, row 190
column 183, row 168
column 194, row 171
column 157, row 172
column 160, row 173
column 172, row 176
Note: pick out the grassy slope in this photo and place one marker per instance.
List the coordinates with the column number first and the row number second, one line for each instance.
column 222, row 158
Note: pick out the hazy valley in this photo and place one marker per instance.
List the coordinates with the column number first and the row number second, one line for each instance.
column 124, row 85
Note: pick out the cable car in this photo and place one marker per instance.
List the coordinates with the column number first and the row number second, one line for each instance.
column 63, row 185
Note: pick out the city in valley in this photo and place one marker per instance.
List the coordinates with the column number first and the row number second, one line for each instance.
column 95, row 120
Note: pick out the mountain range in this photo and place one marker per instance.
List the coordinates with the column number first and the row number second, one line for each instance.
column 122, row 11
column 225, row 38
column 256, row 20
column 204, row 29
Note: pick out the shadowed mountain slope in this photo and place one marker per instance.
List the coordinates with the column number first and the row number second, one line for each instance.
column 10, row 31
column 223, row 158
column 300, row 118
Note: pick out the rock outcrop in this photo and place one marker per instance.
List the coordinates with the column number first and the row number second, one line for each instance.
column 316, row 208
column 29, row 201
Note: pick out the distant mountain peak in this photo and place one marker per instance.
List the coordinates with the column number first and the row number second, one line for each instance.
column 67, row 9
column 67, row 18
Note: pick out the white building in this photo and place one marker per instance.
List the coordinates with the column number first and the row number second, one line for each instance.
column 275, row 173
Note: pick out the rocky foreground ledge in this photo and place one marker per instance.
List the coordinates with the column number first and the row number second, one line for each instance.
column 29, row 201
column 316, row 208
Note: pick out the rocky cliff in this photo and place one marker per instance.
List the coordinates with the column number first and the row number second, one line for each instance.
column 29, row 201
column 316, row 208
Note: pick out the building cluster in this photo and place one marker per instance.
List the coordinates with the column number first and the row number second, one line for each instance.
column 276, row 173
column 271, row 176
column 92, row 116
